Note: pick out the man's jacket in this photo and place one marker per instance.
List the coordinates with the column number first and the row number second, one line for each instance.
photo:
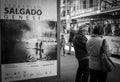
column 79, row 42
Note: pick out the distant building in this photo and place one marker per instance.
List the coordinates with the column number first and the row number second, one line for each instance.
column 86, row 10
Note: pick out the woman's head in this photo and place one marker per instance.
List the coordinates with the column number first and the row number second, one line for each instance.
column 97, row 30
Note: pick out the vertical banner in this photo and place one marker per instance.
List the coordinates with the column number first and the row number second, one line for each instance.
column 29, row 39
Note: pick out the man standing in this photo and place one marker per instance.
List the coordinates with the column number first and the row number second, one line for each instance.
column 79, row 43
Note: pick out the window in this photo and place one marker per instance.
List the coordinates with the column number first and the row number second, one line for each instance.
column 91, row 3
column 84, row 4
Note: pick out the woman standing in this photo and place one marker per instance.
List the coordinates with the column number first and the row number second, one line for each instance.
column 93, row 47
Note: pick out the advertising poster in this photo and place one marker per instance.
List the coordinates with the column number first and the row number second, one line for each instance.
column 29, row 42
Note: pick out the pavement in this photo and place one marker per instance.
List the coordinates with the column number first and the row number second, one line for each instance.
column 68, row 70
column 69, row 65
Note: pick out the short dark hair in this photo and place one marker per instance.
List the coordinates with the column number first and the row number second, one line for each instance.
column 97, row 30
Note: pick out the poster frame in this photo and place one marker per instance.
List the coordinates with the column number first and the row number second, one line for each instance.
column 0, row 53
column 58, row 51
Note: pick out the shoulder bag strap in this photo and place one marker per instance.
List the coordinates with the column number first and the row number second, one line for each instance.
column 102, row 47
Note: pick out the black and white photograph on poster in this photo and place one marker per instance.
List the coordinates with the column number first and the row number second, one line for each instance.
column 28, row 41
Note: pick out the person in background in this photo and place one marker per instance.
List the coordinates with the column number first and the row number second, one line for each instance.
column 117, row 30
column 72, row 33
column 79, row 44
column 62, row 45
column 93, row 48
column 64, row 30
column 101, row 28
column 108, row 30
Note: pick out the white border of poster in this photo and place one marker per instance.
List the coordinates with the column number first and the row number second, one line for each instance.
column 32, row 51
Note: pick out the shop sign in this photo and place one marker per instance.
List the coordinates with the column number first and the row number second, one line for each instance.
column 110, row 5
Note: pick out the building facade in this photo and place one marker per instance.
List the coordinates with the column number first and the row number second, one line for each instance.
column 105, row 13
column 79, row 9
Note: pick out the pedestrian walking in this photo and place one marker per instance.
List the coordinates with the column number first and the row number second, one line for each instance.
column 95, row 64
column 79, row 43
column 72, row 33
column 62, row 45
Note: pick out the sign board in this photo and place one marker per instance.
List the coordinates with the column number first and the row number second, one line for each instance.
column 107, row 5
column 29, row 39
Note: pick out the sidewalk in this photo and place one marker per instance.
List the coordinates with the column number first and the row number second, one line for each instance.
column 69, row 67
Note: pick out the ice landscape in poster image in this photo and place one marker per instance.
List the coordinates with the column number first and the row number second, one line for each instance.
column 28, row 41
